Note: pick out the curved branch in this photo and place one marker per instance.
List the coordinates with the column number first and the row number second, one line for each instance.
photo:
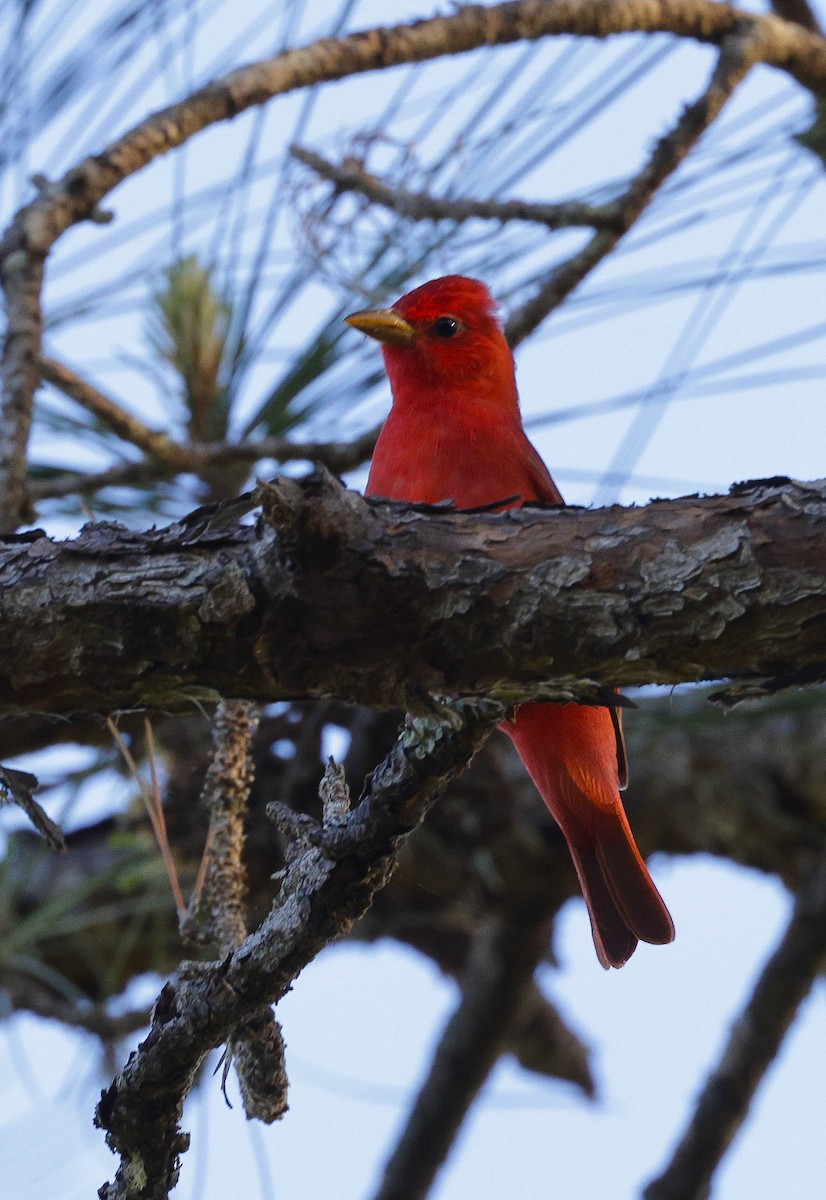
column 352, row 176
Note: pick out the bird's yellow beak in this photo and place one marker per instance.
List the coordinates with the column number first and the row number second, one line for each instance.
column 383, row 324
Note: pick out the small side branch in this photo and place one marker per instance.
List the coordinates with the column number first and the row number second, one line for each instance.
column 18, row 787
column 26, row 994
column 168, row 457
column 753, row 1043
column 256, row 1047
column 737, row 55
column 152, row 441
column 351, row 176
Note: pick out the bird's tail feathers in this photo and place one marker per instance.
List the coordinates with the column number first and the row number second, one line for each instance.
column 623, row 902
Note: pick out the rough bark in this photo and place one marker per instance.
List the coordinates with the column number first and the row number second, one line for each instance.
column 329, row 594
column 748, row 785
column 331, row 876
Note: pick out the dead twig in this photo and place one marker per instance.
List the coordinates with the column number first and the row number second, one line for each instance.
column 738, row 54
column 352, row 176
column 151, row 796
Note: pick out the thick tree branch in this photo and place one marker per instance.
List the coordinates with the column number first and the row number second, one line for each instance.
column 78, row 195
column 327, row 885
column 753, row 1043
column 388, row 604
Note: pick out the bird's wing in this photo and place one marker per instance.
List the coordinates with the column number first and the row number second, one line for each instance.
column 539, row 477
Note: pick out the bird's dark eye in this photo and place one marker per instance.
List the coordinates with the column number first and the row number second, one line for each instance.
column 446, row 327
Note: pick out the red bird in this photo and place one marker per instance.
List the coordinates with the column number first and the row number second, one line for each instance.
column 455, row 434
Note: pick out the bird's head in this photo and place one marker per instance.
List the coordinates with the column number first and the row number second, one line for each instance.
column 440, row 338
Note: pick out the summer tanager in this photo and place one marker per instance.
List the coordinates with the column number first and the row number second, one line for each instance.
column 455, row 434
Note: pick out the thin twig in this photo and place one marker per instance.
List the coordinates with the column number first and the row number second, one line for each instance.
column 737, row 56
column 501, row 964
column 154, row 442
column 753, row 1043
column 352, row 176
column 30, row 995
column 18, row 787
column 338, row 457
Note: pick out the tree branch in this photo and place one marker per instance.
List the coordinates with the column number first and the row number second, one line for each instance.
column 27, row 994
column 798, row 11
column 738, row 54
column 154, row 442
column 387, row 604
column 224, row 794
column 501, row 964
column 352, row 176
column 338, row 457
column 256, row 1047
column 747, row 785
column 78, row 195
column 753, row 1043
column 327, row 886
